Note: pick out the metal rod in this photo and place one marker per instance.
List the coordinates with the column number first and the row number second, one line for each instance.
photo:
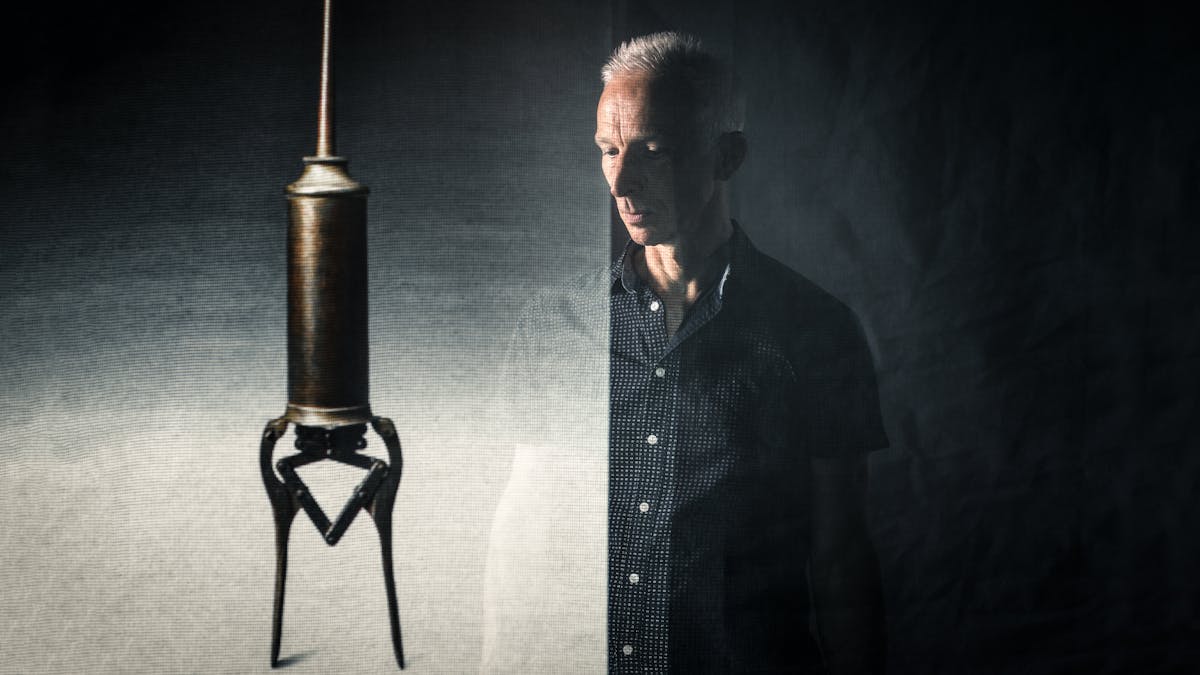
column 325, row 109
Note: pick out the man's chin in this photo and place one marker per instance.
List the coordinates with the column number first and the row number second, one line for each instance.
column 644, row 235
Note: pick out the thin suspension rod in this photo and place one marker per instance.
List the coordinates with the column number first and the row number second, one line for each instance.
column 325, row 110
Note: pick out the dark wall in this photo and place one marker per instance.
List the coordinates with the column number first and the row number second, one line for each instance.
column 1007, row 196
column 1009, row 199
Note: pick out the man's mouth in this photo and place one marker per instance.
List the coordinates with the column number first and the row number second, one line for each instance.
column 634, row 217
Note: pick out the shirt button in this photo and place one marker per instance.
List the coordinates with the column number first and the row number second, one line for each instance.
column 654, row 305
column 634, row 578
column 644, row 507
column 652, row 439
column 660, row 372
column 627, row 650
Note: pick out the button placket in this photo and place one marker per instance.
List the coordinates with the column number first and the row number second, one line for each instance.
column 634, row 592
column 655, row 323
column 653, row 435
column 638, row 576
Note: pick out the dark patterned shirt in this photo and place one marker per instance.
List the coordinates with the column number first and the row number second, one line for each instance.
column 710, row 436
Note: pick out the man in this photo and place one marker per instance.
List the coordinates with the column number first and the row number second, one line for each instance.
column 742, row 404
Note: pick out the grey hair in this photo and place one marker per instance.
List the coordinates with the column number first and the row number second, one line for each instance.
column 679, row 55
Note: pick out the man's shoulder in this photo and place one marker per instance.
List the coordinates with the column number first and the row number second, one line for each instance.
column 790, row 295
column 581, row 295
column 572, row 310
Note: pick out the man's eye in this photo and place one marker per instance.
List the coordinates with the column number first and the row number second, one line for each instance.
column 656, row 150
column 609, row 152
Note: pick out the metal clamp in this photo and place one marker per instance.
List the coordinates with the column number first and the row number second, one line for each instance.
column 376, row 495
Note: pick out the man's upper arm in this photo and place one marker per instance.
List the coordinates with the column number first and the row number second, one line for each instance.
column 843, row 417
column 847, row 426
column 839, row 491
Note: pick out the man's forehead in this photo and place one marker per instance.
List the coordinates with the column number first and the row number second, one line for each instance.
column 629, row 130
column 651, row 106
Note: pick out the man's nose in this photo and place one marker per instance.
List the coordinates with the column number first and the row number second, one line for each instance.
column 626, row 178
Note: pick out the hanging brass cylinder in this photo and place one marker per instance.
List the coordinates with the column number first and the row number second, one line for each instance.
column 328, row 376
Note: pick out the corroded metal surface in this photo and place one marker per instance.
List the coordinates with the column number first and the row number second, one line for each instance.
column 328, row 375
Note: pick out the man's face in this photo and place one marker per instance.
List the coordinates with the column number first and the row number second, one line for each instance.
column 662, row 179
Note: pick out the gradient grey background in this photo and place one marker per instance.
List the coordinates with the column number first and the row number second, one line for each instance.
column 1007, row 196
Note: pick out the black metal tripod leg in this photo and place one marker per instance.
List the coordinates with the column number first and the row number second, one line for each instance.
column 283, row 524
column 284, row 508
column 381, row 511
column 384, row 525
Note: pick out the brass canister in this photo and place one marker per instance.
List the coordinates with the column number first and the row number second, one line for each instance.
column 328, row 376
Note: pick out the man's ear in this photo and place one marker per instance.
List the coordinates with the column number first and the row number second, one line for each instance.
column 731, row 152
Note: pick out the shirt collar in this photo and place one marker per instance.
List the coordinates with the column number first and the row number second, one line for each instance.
column 626, row 278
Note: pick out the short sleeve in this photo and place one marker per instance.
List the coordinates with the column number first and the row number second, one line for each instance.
column 843, row 417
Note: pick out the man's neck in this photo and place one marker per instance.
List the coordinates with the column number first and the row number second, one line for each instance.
column 680, row 272
column 683, row 269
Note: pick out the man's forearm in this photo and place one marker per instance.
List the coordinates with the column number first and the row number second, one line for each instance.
column 848, row 600
column 844, row 571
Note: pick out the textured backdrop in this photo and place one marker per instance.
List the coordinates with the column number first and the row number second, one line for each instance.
column 1008, row 197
